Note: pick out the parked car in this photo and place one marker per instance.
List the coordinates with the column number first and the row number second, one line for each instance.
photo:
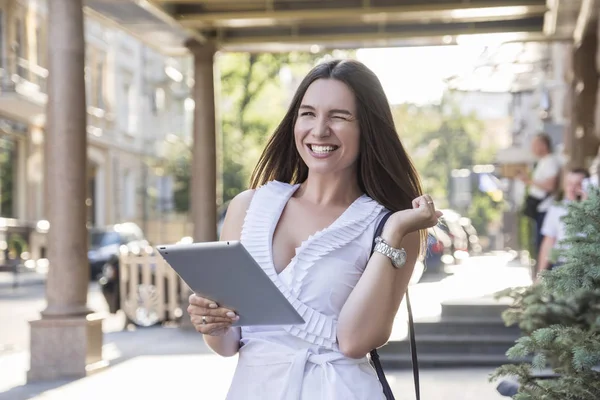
column 438, row 248
column 450, row 223
column 473, row 237
column 142, row 307
column 105, row 243
column 221, row 212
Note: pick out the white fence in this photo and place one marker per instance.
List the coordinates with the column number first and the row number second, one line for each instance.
column 150, row 290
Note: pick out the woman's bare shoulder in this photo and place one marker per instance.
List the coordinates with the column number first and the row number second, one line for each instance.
column 236, row 213
column 241, row 202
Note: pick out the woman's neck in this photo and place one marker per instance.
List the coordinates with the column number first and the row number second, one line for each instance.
column 321, row 189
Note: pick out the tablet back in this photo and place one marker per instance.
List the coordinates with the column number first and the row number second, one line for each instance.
column 226, row 273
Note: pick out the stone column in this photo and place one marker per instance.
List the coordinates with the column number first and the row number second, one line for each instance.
column 203, row 199
column 595, row 165
column 204, row 151
column 583, row 142
column 66, row 342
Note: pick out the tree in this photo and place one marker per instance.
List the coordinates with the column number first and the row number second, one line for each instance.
column 179, row 165
column 560, row 317
column 7, row 176
column 440, row 138
column 255, row 90
column 483, row 210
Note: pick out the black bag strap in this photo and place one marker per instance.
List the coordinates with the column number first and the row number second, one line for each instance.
column 413, row 345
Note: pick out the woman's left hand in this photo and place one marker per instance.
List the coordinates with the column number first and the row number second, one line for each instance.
column 423, row 215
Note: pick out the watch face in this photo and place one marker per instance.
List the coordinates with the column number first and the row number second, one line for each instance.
column 399, row 259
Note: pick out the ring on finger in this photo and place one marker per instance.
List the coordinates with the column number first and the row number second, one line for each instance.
column 204, row 322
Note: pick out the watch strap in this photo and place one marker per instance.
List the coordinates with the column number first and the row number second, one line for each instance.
column 397, row 256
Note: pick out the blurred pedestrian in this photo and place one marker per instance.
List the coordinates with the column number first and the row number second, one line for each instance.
column 542, row 184
column 330, row 172
column 553, row 228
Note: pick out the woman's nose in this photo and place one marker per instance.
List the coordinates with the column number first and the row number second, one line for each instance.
column 321, row 128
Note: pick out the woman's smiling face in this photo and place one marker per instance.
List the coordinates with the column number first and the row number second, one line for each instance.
column 327, row 132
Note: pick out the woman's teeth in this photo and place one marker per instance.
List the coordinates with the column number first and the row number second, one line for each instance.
column 322, row 149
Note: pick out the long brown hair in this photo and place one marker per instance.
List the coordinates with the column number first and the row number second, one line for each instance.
column 385, row 171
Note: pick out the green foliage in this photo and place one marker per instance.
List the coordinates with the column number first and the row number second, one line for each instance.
column 7, row 176
column 526, row 236
column 533, row 308
column 483, row 210
column 440, row 138
column 561, row 316
column 179, row 156
column 255, row 90
column 16, row 245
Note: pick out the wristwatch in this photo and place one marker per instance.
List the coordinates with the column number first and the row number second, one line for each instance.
column 397, row 256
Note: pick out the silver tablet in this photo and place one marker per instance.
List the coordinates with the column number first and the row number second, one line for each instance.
column 226, row 273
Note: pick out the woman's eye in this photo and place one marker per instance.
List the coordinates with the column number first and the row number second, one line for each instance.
column 307, row 114
column 340, row 117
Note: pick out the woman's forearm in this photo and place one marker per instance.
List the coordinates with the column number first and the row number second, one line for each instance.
column 227, row 345
column 367, row 318
column 548, row 185
column 544, row 253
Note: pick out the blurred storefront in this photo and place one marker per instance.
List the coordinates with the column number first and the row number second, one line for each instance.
column 135, row 96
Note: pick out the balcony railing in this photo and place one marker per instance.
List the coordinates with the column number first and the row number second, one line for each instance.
column 18, row 75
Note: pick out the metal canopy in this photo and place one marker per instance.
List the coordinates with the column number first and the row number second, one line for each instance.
column 273, row 25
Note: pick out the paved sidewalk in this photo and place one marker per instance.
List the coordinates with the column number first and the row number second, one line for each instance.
column 171, row 363
column 23, row 278
column 206, row 376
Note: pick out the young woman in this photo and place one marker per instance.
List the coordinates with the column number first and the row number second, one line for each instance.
column 330, row 172
column 553, row 228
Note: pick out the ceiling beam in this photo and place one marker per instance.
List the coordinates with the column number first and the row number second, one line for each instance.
column 457, row 11
column 160, row 13
column 333, row 39
column 586, row 13
column 551, row 17
column 199, row 2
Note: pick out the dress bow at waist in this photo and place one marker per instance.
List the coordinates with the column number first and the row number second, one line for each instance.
column 298, row 360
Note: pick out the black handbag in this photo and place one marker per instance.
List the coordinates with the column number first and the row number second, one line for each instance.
column 413, row 346
column 531, row 205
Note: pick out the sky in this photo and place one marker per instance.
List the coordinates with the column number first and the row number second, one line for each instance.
column 416, row 74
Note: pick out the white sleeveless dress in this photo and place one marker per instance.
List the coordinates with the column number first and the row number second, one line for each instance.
column 303, row 362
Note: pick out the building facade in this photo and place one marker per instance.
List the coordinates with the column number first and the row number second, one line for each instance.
column 137, row 100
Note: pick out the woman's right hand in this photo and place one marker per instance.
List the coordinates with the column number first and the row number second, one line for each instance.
column 208, row 318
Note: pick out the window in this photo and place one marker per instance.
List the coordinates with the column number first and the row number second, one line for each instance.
column 99, row 72
column 88, row 83
column 19, row 49
column 128, row 195
column 8, row 174
column 40, row 41
column 2, row 39
column 159, row 100
column 165, row 193
column 19, row 43
column 102, row 239
column 128, row 112
column 124, row 109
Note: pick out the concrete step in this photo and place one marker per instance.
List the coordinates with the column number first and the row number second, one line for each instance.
column 483, row 308
column 403, row 361
column 454, row 344
column 465, row 326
